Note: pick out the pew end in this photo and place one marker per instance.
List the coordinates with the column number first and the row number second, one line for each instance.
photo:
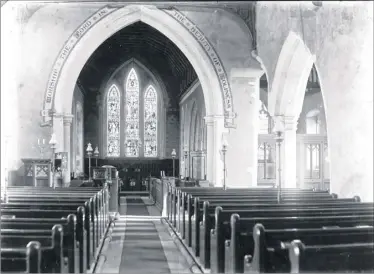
column 295, row 250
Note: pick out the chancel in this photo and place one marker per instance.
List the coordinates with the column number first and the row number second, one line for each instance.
column 186, row 136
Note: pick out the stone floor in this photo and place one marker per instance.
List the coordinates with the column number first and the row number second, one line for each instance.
column 141, row 243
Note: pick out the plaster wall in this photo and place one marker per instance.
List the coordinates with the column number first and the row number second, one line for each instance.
column 340, row 38
column 194, row 107
column 227, row 33
column 32, row 36
column 10, row 42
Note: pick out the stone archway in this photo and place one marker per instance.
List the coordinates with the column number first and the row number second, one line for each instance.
column 104, row 24
column 290, row 78
column 285, row 101
column 119, row 19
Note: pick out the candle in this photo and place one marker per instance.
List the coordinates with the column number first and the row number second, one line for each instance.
column 43, row 141
column 38, row 141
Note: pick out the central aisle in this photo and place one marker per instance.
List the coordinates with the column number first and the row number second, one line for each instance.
column 140, row 242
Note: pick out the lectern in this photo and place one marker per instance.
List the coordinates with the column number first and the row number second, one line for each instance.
column 37, row 172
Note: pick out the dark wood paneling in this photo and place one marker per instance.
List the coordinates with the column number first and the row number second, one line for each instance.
column 147, row 167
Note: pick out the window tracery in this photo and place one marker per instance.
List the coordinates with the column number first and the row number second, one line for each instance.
column 138, row 132
column 113, row 122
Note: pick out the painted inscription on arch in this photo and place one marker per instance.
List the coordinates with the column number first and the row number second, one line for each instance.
column 213, row 56
column 64, row 54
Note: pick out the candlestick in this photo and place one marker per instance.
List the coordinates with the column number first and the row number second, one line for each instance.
column 41, row 146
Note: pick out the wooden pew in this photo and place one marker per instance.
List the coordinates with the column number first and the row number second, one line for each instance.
column 269, row 196
column 59, row 194
column 355, row 257
column 26, row 260
column 179, row 195
column 99, row 205
column 244, row 228
column 48, row 257
column 180, row 198
column 270, row 246
column 193, row 225
column 11, row 237
column 201, row 213
column 81, row 230
column 209, row 217
column 196, row 209
column 47, row 203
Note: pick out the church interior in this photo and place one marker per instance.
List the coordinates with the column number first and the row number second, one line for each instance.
column 186, row 136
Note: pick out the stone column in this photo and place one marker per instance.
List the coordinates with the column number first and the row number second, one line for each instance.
column 58, row 129
column 288, row 150
column 243, row 140
column 215, row 128
column 68, row 118
column 209, row 149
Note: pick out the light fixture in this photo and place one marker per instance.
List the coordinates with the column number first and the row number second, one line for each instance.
column 224, row 150
column 53, row 141
column 89, row 154
column 96, row 154
column 89, row 149
column 53, row 144
column 173, row 155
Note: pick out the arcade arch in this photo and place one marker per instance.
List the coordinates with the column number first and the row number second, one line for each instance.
column 293, row 73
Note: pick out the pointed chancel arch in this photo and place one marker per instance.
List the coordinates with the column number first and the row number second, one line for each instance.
column 117, row 18
column 113, row 105
column 150, row 122
column 132, row 114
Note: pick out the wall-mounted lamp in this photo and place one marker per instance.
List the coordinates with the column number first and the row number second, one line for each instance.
column 173, row 155
column 96, row 154
column 53, row 144
column 224, row 150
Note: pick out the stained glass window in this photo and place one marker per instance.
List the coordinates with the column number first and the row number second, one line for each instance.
column 113, row 122
column 150, row 122
column 132, row 115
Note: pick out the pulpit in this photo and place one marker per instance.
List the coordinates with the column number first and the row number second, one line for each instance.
column 37, row 172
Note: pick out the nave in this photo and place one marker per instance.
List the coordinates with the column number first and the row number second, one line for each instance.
column 244, row 128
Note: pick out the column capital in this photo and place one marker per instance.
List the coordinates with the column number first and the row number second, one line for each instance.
column 210, row 119
column 284, row 123
column 251, row 75
column 58, row 115
column 68, row 119
column 290, row 123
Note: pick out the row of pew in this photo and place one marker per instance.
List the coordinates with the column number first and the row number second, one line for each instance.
column 267, row 230
column 47, row 230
